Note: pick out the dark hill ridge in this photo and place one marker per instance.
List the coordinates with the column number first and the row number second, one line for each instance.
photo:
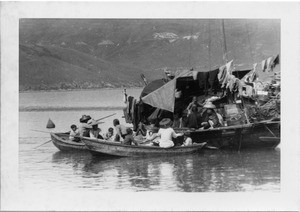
column 89, row 53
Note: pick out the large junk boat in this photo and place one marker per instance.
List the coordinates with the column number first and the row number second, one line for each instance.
column 248, row 101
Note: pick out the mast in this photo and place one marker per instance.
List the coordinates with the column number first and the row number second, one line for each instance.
column 224, row 42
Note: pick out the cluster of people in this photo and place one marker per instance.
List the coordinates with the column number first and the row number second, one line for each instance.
column 145, row 135
column 88, row 127
column 199, row 116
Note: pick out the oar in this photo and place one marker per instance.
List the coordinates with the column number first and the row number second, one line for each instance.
column 43, row 144
column 40, row 131
column 50, row 132
column 106, row 117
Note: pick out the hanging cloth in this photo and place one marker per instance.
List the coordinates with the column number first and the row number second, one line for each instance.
column 269, row 63
column 263, row 65
column 195, row 74
column 222, row 73
column 275, row 61
column 203, row 80
column 212, row 77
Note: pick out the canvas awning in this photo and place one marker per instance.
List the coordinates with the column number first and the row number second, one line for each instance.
column 164, row 97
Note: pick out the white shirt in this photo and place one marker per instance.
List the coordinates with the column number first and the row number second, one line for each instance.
column 167, row 134
column 187, row 142
column 73, row 134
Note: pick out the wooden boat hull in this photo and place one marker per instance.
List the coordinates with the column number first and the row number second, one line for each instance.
column 240, row 137
column 98, row 146
column 62, row 142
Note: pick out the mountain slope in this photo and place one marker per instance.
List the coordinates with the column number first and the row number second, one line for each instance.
column 83, row 53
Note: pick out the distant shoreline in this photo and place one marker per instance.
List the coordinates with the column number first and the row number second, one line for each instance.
column 78, row 89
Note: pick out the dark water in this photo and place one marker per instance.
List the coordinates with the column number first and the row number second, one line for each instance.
column 209, row 171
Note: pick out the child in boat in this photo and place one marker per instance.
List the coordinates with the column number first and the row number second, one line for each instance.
column 187, row 141
column 120, row 130
column 128, row 138
column 74, row 134
column 110, row 134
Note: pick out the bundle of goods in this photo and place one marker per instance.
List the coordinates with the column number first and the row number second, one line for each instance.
column 234, row 115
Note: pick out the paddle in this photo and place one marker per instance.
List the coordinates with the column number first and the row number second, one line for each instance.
column 106, row 117
column 43, row 144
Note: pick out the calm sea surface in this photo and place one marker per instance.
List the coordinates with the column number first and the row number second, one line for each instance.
column 46, row 167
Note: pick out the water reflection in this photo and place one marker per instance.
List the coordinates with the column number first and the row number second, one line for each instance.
column 211, row 171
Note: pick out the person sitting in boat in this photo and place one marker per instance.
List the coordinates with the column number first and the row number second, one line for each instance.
column 183, row 119
column 84, row 128
column 176, row 121
column 95, row 131
column 128, row 138
column 74, row 134
column 210, row 118
column 192, row 104
column 166, row 133
column 193, row 119
column 141, row 130
column 187, row 141
column 110, row 134
column 121, row 131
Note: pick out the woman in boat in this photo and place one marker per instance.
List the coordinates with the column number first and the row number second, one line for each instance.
column 193, row 119
column 95, row 131
column 166, row 133
column 192, row 104
column 84, row 128
column 210, row 118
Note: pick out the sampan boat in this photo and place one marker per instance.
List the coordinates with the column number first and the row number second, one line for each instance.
column 63, row 143
column 103, row 147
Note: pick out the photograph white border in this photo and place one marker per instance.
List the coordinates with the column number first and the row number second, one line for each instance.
column 12, row 198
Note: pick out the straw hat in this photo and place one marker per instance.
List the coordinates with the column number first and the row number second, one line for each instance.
column 209, row 105
column 165, row 122
column 84, row 118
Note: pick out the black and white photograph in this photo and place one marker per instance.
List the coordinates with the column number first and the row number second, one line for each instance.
column 150, row 106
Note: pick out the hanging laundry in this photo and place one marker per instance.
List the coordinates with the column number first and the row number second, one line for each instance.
column 229, row 68
column 212, row 77
column 269, row 63
column 203, row 80
column 254, row 73
column 129, row 106
column 263, row 65
column 222, row 73
column 275, row 62
column 132, row 110
column 231, row 82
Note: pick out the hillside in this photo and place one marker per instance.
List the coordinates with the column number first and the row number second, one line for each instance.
column 95, row 53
